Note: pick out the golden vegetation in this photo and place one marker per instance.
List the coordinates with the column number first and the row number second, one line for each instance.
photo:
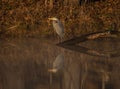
column 29, row 18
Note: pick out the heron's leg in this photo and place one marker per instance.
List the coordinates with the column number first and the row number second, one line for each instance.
column 83, row 80
column 103, row 84
column 53, row 35
column 60, row 39
column 50, row 79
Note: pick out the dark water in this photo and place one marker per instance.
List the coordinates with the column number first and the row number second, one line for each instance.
column 24, row 64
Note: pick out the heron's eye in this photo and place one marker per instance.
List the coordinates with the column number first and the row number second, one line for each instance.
column 56, row 21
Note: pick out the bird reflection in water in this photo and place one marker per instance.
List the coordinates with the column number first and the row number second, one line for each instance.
column 57, row 66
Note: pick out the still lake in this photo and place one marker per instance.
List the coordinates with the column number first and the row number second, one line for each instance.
column 24, row 64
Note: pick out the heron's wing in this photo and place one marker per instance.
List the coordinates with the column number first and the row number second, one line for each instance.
column 59, row 62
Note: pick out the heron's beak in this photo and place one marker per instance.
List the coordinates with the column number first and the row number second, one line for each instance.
column 52, row 70
column 50, row 18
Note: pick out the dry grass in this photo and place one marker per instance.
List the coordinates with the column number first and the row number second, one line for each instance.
column 29, row 18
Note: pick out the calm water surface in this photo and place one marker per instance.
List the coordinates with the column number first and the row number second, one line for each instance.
column 24, row 64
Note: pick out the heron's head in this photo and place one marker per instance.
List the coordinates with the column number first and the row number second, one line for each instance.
column 53, row 19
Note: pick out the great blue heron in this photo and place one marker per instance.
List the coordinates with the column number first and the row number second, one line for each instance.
column 58, row 26
column 57, row 64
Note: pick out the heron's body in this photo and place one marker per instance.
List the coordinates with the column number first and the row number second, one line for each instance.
column 57, row 64
column 58, row 26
